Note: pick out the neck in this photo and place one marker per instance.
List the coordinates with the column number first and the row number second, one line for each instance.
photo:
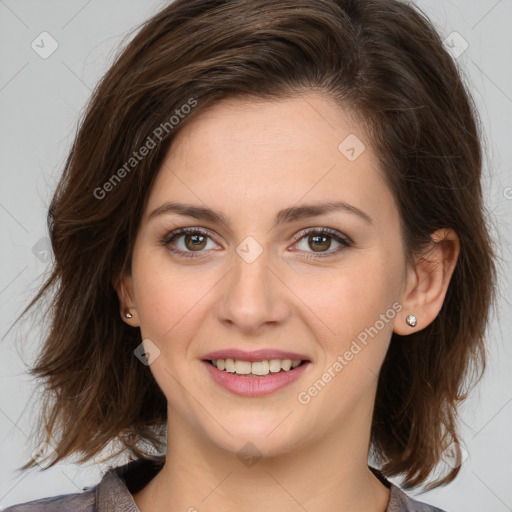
column 327, row 474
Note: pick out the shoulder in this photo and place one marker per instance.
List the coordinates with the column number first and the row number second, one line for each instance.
column 399, row 501
column 79, row 502
column 112, row 493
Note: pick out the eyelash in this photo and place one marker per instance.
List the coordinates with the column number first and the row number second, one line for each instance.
column 343, row 240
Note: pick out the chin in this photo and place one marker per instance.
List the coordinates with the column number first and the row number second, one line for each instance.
column 255, row 441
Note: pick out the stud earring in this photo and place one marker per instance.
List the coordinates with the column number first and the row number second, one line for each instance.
column 411, row 320
column 128, row 315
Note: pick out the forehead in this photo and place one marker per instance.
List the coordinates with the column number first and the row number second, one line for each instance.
column 246, row 156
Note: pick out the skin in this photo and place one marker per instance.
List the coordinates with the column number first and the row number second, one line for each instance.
column 249, row 159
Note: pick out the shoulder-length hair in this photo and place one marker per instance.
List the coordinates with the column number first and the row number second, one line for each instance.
column 382, row 60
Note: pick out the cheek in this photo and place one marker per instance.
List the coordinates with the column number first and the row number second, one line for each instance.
column 168, row 298
column 342, row 302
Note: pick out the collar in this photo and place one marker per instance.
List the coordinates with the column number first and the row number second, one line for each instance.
column 114, row 492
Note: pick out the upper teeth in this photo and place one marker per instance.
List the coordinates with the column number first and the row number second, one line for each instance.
column 255, row 368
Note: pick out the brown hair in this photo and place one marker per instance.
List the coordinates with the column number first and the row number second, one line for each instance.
column 383, row 60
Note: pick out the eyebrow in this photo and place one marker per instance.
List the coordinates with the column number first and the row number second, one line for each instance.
column 290, row 214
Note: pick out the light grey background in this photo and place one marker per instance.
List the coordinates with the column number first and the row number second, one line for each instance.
column 41, row 100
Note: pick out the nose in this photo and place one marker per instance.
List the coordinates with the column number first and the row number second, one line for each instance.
column 254, row 294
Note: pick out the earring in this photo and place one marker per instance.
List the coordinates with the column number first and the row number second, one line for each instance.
column 128, row 315
column 411, row 320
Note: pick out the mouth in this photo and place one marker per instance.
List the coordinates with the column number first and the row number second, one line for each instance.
column 256, row 369
column 256, row 378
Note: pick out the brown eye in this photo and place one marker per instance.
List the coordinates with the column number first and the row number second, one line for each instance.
column 188, row 242
column 319, row 242
column 194, row 242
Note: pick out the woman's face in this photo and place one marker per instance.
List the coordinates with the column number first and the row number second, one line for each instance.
column 281, row 276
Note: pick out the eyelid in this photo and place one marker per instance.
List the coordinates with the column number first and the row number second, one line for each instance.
column 323, row 230
column 166, row 239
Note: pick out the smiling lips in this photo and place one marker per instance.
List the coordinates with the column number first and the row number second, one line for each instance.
column 256, row 368
column 255, row 373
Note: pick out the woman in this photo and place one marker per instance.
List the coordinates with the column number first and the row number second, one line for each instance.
column 271, row 261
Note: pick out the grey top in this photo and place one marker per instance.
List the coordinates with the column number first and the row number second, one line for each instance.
column 114, row 493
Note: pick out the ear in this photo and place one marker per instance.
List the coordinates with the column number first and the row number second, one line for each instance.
column 124, row 289
column 427, row 282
